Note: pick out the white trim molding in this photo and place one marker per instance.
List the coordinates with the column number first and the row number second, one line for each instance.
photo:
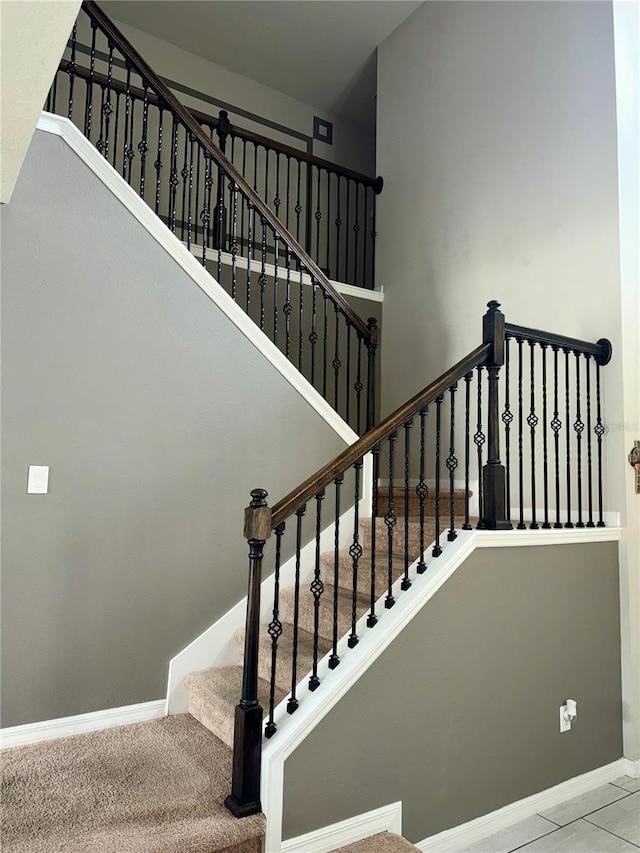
column 385, row 819
column 632, row 768
column 81, row 723
column 463, row 836
column 138, row 208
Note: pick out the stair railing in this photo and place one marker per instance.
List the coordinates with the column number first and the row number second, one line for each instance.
column 387, row 533
column 161, row 150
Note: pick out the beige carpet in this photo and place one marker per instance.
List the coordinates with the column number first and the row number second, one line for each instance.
column 384, row 842
column 154, row 787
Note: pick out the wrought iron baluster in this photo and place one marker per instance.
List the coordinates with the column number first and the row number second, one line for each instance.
column 72, row 68
column 288, row 206
column 275, row 632
column 334, row 658
column 390, row 521
column 347, row 389
column 375, row 453
column 197, row 198
column 127, row 152
column 521, row 524
column 590, row 522
column 346, row 235
column 143, row 145
column 184, row 174
column 266, row 176
column 114, row 149
column 556, row 426
column 338, row 224
column 599, row 431
column 327, row 230
column 107, row 108
column 359, row 386
column 262, row 278
column 356, row 231
column 532, row 421
column 298, row 207
column 545, row 447
column 276, row 307
column 247, row 205
column 302, row 270
column 88, row 113
column 567, row 397
column 325, row 342
column 507, row 418
column 287, row 308
column 437, row 550
column 479, row 439
column 336, row 363
column 578, row 426
column 355, row 552
column 318, row 217
column 421, row 490
column 277, row 201
column 406, row 582
column 292, row 703
column 234, row 239
column 452, row 464
column 100, row 142
column 173, row 178
column 190, row 200
column 313, row 334
column 205, row 216
column 250, row 243
column 317, row 588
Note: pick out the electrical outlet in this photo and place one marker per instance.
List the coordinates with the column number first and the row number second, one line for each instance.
column 568, row 713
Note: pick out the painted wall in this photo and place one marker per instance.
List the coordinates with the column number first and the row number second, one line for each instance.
column 156, row 416
column 470, row 691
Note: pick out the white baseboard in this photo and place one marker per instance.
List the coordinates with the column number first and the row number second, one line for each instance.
column 81, row 723
column 463, row 836
column 632, row 768
column 385, row 819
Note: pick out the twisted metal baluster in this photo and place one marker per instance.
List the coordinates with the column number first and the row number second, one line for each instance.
column 173, row 178
column 250, row 243
column 234, row 240
column 72, row 69
column 205, row 216
column 521, row 524
column 358, row 387
column 406, row 583
column 437, row 550
column 390, row 520
column 372, row 618
column 545, row 449
column 302, row 269
column 313, row 335
column 355, row 552
column 356, row 231
column 115, row 137
column 336, row 363
column 276, row 249
column 421, row 490
column 262, row 278
column 287, row 308
column 190, row 202
column 184, row 174
column 452, row 464
column 197, row 200
column 479, row 439
column 158, row 161
column 317, row 588
column 507, row 418
column 127, row 152
column 334, row 658
column 347, row 388
column 292, row 703
column 599, row 431
column 88, row 111
column 578, row 427
column 532, row 421
column 275, row 631
column 107, row 108
column 590, row 522
column 567, row 396
column 143, row 145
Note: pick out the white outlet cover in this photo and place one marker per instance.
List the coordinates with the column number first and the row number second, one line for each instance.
column 38, row 480
column 565, row 725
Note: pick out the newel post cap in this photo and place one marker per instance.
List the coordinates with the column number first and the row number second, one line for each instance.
column 257, row 517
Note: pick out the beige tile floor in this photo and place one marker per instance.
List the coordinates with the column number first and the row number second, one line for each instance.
column 606, row 820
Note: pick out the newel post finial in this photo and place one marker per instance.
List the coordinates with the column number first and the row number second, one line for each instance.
column 244, row 799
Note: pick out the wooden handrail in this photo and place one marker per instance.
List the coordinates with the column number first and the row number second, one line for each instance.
column 376, row 184
column 288, row 505
column 164, row 92
column 600, row 350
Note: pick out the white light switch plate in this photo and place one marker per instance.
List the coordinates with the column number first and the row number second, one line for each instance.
column 38, row 480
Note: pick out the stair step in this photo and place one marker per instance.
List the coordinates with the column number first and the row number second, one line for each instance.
column 306, row 613
column 413, row 538
column 214, row 694
column 284, row 662
column 414, row 501
column 345, row 572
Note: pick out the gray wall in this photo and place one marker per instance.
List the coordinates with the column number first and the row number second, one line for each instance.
column 459, row 716
column 156, row 416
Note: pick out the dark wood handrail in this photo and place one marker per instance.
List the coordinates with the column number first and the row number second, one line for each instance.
column 162, row 90
column 376, row 184
column 288, row 505
column 601, row 350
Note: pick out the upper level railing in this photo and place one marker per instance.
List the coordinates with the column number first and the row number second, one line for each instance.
column 421, row 492
column 161, row 149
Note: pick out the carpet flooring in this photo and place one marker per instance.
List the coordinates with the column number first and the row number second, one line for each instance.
column 384, row 842
column 154, row 787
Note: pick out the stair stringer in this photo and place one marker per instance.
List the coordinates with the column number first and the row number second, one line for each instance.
column 314, row 706
column 126, row 195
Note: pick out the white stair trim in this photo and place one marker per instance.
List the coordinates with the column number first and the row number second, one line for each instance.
column 314, row 706
column 81, row 723
column 138, row 208
column 466, row 834
column 385, row 819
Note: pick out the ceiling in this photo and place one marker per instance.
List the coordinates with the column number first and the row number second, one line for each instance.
column 321, row 52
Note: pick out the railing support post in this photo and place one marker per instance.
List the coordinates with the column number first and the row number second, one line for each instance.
column 493, row 473
column 372, row 347
column 244, row 799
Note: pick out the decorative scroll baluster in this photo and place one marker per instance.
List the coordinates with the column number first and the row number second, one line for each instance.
column 107, row 107
column 375, row 453
column 234, row 239
column 359, row 386
column 276, row 250
column 390, row 521
column 507, row 418
column 275, row 631
column 532, row 421
column 262, row 278
column 317, row 588
column 567, row 397
column 302, row 270
column 479, row 440
column 406, row 583
column 590, row 522
column 190, row 201
column 250, row 243
column 173, row 178
column 184, row 174
column 355, row 552
column 336, row 363
column 143, row 145
column 347, row 389
column 599, row 431
column 521, row 524
column 313, row 335
column 545, row 446
column 578, row 426
column 100, row 142
column 452, row 464
column 88, row 114
column 292, row 702
column 556, row 426
column 437, row 550
column 72, row 69
column 421, row 489
column 158, row 161
column 287, row 307
column 334, row 658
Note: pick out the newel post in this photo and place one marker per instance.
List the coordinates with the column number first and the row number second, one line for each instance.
column 493, row 473
column 244, row 799
column 372, row 347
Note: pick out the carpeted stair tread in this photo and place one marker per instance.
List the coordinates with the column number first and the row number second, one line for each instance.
column 155, row 787
column 383, row 842
column 306, row 615
column 214, row 694
column 413, row 538
column 345, row 572
column 284, row 664
column 414, row 501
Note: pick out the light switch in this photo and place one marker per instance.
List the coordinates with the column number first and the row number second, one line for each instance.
column 38, row 480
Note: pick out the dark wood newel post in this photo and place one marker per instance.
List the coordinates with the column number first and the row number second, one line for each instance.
column 244, row 799
column 372, row 347
column 493, row 473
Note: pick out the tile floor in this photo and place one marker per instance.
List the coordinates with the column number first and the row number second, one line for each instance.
column 606, row 820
